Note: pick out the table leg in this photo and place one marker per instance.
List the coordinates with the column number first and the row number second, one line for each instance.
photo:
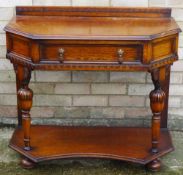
column 164, row 75
column 18, row 73
column 154, row 165
column 157, row 97
column 27, row 163
column 25, row 95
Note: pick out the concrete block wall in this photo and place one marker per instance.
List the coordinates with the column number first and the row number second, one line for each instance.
column 98, row 96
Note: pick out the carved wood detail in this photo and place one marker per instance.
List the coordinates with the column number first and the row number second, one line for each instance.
column 149, row 39
column 25, row 96
column 16, row 59
column 157, row 97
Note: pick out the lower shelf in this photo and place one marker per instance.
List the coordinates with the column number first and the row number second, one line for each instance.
column 55, row 142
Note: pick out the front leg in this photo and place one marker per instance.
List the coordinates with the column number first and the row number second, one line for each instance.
column 27, row 163
column 157, row 98
column 25, row 96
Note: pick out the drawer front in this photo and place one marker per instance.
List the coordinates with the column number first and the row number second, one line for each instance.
column 91, row 53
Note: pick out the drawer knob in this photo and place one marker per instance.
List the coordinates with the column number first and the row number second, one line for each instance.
column 120, row 53
column 61, row 52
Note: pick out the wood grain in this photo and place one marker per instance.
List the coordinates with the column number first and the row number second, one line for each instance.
column 94, row 11
column 93, row 39
column 92, row 52
column 89, row 28
column 130, row 144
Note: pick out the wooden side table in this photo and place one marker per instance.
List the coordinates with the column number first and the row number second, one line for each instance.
column 95, row 39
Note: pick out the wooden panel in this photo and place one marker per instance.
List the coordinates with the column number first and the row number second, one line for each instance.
column 20, row 46
column 162, row 49
column 92, row 52
column 132, row 144
column 93, row 11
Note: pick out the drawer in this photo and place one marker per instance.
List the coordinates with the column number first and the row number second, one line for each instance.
column 91, row 53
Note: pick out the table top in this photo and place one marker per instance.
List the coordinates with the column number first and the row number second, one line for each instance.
column 83, row 23
column 92, row 38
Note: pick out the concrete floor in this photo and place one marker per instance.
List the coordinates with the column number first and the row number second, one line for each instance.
column 172, row 163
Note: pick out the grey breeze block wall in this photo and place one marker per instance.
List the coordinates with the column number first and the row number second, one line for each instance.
column 90, row 98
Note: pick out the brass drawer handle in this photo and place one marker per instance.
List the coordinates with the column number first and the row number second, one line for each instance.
column 120, row 54
column 61, row 52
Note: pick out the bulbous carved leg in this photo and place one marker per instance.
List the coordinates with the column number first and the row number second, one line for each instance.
column 157, row 97
column 27, row 163
column 154, row 166
column 25, row 95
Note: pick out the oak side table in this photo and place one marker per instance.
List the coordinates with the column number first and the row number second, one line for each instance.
column 94, row 39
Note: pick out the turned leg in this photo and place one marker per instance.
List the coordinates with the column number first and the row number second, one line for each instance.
column 25, row 95
column 157, row 97
column 27, row 163
column 18, row 74
column 154, row 165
